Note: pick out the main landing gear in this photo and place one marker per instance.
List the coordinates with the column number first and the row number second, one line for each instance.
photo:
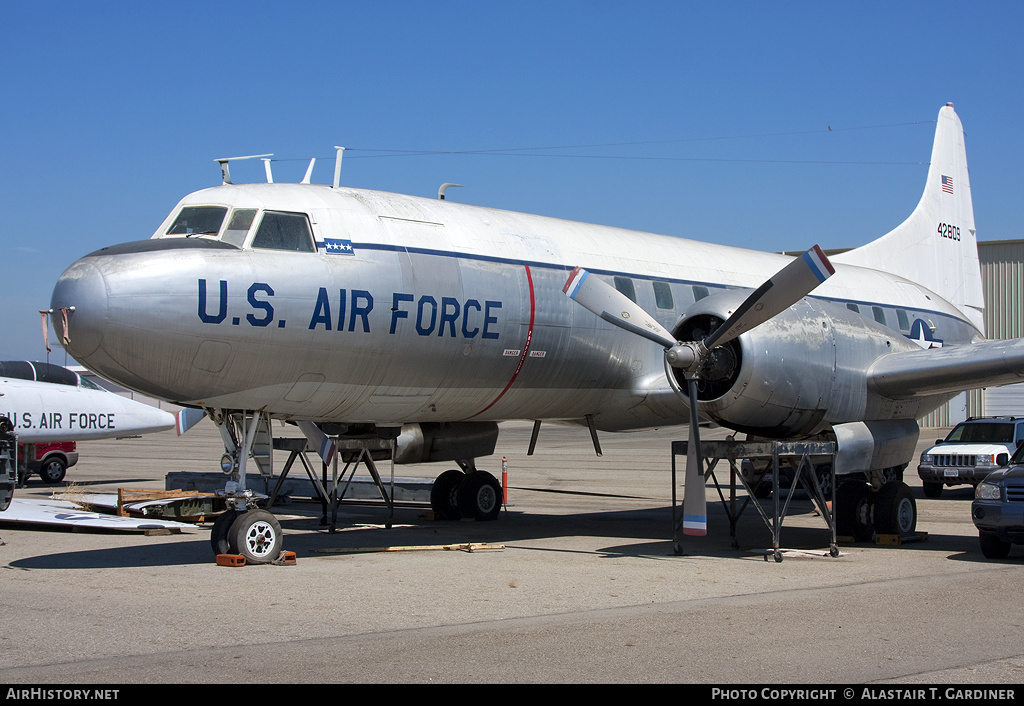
column 470, row 494
column 862, row 512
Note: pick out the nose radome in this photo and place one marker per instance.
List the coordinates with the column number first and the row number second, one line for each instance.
column 82, row 292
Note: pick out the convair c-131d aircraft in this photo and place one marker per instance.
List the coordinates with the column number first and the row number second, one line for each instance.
column 350, row 311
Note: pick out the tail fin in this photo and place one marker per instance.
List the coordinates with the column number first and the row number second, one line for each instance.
column 936, row 246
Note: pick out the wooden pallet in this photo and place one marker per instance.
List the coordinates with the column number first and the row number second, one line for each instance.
column 126, row 496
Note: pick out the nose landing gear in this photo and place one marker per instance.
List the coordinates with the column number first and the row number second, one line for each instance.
column 253, row 534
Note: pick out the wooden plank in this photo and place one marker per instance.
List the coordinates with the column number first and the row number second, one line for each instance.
column 895, row 540
column 466, row 547
column 131, row 495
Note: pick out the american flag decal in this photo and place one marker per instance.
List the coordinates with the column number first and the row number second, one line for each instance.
column 947, row 184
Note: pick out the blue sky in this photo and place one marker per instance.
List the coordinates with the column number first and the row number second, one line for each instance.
column 703, row 120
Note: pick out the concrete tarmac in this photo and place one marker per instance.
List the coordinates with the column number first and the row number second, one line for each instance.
column 586, row 588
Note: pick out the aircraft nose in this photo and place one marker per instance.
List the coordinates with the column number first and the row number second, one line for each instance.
column 79, row 305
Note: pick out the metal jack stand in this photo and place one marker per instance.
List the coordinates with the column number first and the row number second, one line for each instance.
column 735, row 451
column 353, row 452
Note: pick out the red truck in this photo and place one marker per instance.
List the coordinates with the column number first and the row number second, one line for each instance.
column 50, row 461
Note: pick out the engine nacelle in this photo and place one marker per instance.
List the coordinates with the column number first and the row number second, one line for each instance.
column 794, row 375
column 448, row 441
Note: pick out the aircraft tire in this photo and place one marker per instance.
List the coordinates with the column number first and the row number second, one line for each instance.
column 894, row 473
column 53, row 470
column 256, row 535
column 479, row 496
column 895, row 510
column 993, row 547
column 444, row 495
column 220, row 531
column 7, row 484
column 824, row 476
column 853, row 511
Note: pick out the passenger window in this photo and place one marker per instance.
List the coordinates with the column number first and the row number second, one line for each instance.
column 284, row 231
column 663, row 295
column 699, row 292
column 625, row 285
column 879, row 315
column 198, row 220
column 853, row 307
column 238, row 226
column 904, row 320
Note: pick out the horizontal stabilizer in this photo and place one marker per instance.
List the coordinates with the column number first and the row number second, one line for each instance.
column 948, row 369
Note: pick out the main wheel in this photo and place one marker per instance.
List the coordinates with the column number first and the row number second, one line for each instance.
column 824, row 475
column 219, row 532
column 479, row 496
column 895, row 473
column 895, row 510
column 53, row 469
column 993, row 547
column 853, row 511
column 444, row 495
column 256, row 535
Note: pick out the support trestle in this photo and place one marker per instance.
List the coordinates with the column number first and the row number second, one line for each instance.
column 801, row 455
column 353, row 452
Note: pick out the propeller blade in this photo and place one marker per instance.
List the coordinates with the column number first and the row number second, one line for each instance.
column 695, row 509
column 614, row 307
column 188, row 418
column 325, row 448
column 789, row 285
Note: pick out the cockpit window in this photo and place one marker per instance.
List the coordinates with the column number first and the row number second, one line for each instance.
column 238, row 226
column 198, row 220
column 88, row 384
column 284, row 231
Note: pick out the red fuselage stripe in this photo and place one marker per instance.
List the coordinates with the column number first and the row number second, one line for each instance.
column 526, row 346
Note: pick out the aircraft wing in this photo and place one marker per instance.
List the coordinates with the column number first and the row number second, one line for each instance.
column 948, row 369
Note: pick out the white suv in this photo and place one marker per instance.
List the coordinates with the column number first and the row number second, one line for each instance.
column 970, row 452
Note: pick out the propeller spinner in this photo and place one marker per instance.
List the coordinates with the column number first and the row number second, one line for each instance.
column 788, row 286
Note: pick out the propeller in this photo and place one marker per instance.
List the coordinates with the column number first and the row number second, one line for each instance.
column 325, row 448
column 788, row 286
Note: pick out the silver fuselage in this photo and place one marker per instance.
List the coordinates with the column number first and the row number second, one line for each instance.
column 417, row 310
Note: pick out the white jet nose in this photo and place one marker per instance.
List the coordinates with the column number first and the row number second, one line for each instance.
column 81, row 297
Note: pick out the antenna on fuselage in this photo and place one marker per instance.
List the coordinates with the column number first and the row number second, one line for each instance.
column 444, row 188
column 266, row 168
column 337, row 165
column 309, row 171
column 225, row 173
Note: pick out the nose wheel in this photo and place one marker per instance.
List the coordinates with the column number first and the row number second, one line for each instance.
column 254, row 534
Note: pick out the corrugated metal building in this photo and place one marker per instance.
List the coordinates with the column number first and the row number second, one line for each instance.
column 1002, row 275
